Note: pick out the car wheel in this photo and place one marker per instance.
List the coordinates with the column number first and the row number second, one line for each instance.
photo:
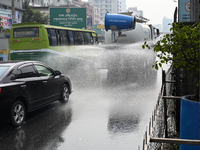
column 17, row 114
column 65, row 93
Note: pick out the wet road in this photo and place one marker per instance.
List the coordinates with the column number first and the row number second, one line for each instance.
column 102, row 114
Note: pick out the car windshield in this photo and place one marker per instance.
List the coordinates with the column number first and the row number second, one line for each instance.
column 3, row 69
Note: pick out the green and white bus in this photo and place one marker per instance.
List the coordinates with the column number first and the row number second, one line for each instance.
column 36, row 41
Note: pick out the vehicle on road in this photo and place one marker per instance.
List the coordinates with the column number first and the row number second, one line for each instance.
column 123, row 31
column 32, row 41
column 29, row 85
column 54, row 45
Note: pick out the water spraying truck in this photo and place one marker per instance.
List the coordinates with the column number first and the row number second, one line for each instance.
column 125, row 31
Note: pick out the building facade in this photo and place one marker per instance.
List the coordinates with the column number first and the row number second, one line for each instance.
column 96, row 15
column 166, row 26
column 92, row 12
column 8, row 18
column 105, row 6
column 122, row 6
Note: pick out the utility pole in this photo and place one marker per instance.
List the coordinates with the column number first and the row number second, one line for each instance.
column 194, row 10
column 13, row 9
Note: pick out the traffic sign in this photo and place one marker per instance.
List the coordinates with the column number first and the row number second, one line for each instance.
column 7, row 33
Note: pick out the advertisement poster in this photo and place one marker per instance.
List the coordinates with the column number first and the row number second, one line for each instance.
column 6, row 16
column 4, row 55
column 17, row 18
column 184, row 10
column 68, row 17
column 89, row 23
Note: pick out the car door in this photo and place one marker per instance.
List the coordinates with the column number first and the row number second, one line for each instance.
column 32, row 86
column 51, row 83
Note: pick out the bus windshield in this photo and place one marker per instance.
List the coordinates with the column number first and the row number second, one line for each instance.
column 26, row 32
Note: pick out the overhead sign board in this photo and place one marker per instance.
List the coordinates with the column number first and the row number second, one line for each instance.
column 184, row 10
column 68, row 17
column 100, row 27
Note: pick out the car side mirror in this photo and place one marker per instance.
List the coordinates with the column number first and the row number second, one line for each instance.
column 57, row 72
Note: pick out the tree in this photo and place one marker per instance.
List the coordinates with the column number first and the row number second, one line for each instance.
column 180, row 48
column 31, row 15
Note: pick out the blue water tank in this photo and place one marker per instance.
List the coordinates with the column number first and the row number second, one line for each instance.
column 189, row 122
column 117, row 22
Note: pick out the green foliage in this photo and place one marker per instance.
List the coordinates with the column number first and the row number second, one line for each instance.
column 181, row 48
column 31, row 15
column 174, row 147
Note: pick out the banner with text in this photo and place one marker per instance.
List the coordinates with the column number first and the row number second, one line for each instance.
column 6, row 16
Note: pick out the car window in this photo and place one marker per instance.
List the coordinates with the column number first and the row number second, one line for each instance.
column 43, row 71
column 19, row 74
column 3, row 69
column 26, row 72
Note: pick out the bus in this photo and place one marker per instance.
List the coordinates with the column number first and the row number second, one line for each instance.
column 36, row 41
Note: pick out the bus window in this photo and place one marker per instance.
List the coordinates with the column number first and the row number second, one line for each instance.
column 81, row 38
column 88, row 38
column 64, row 39
column 68, row 39
column 26, row 32
column 71, row 37
column 58, row 37
column 91, row 38
column 78, row 38
column 75, row 38
column 53, row 37
column 85, row 38
column 49, row 36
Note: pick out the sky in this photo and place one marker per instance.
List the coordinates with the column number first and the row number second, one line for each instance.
column 154, row 10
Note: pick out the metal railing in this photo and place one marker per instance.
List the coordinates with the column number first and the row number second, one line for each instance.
column 162, row 128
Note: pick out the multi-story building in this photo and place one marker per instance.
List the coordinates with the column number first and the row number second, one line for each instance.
column 105, row 6
column 8, row 19
column 96, row 15
column 65, row 2
column 92, row 12
column 40, row 2
column 122, row 6
column 166, row 26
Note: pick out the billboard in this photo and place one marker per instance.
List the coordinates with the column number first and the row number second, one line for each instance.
column 68, row 17
column 184, row 10
column 89, row 23
column 6, row 16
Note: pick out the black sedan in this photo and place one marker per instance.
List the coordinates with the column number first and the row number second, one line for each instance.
column 28, row 85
